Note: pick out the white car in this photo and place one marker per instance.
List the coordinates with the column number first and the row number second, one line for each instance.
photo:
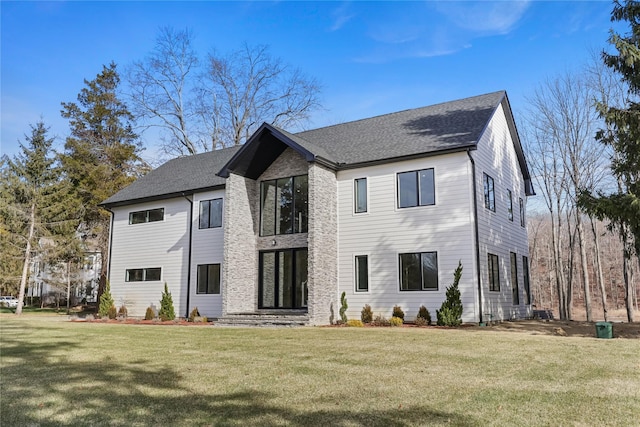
column 9, row 301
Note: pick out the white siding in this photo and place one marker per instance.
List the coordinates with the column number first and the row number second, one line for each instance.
column 385, row 231
column 207, row 247
column 496, row 157
column 161, row 244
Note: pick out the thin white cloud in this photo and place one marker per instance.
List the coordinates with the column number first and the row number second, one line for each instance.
column 341, row 16
column 493, row 17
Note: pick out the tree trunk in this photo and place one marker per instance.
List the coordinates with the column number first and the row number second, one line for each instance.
column 27, row 259
column 600, row 277
column 585, row 264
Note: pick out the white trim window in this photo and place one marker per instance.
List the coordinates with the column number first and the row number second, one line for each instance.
column 143, row 274
column 418, row 271
column 416, row 188
column 360, row 202
column 362, row 273
column 149, row 215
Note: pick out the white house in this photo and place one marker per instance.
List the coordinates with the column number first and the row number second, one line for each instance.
column 382, row 209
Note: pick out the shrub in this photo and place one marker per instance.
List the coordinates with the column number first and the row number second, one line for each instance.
column 122, row 311
column 355, row 323
column 167, row 311
column 150, row 314
column 194, row 313
column 424, row 314
column 420, row 321
column 397, row 312
column 366, row 315
column 332, row 316
column 450, row 313
column 112, row 312
column 395, row 321
column 343, row 308
column 106, row 301
column 380, row 320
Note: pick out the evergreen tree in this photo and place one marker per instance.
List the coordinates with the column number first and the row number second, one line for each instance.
column 101, row 154
column 167, row 311
column 450, row 313
column 106, row 301
column 38, row 209
column 622, row 133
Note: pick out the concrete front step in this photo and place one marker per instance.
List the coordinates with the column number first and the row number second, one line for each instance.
column 264, row 319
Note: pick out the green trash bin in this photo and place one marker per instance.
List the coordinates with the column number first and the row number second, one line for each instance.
column 604, row 330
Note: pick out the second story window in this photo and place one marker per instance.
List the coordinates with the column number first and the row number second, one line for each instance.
column 284, row 206
column 211, row 213
column 489, row 193
column 522, row 220
column 149, row 215
column 416, row 188
column 510, row 205
column 360, row 195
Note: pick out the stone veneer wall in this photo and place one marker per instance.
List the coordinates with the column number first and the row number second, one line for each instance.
column 240, row 266
column 323, row 244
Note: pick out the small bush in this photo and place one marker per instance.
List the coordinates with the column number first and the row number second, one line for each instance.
column 167, row 312
column 450, row 313
column 112, row 313
column 420, row 321
column 106, row 301
column 343, row 308
column 380, row 320
column 122, row 311
column 395, row 321
column 366, row 315
column 397, row 312
column 423, row 313
column 354, row 323
column 150, row 314
column 194, row 313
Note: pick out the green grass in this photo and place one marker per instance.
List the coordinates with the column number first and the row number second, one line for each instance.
column 62, row 373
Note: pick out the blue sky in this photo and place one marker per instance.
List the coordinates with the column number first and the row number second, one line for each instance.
column 370, row 57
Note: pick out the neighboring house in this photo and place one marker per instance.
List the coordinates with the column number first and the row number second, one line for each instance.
column 382, row 209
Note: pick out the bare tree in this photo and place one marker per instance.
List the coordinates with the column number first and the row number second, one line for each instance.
column 161, row 86
column 218, row 102
column 248, row 87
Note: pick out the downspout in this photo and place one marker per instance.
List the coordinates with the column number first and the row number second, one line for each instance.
column 189, row 256
column 110, row 247
column 477, row 233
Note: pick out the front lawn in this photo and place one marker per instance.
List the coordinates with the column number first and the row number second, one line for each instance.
column 63, row 373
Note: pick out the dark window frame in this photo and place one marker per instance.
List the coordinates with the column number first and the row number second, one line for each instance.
column 522, row 216
column 515, row 288
column 494, row 272
column 144, row 273
column 510, row 207
column 211, row 288
column 489, row 192
column 148, row 217
column 527, row 279
column 297, row 206
column 358, row 277
column 423, row 288
column 418, row 188
column 203, row 225
column 356, row 195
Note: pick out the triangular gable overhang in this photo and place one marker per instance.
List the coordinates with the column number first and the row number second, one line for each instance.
column 262, row 149
column 517, row 145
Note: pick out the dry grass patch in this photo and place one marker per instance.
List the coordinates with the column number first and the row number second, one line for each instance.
column 64, row 373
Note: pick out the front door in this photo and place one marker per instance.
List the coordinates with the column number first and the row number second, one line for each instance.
column 283, row 279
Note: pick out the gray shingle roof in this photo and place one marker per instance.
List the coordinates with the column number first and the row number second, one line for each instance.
column 177, row 176
column 441, row 127
column 448, row 126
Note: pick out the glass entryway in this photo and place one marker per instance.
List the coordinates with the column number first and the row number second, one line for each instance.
column 283, row 279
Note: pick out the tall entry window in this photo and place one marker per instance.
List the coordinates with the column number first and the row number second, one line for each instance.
column 283, row 279
column 284, row 207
